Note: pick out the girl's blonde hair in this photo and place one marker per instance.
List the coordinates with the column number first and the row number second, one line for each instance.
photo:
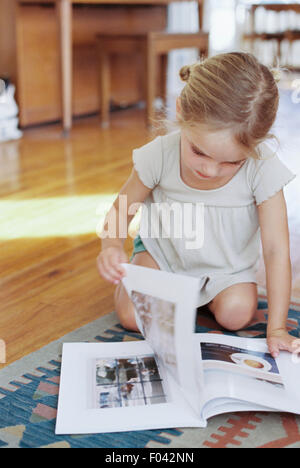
column 234, row 91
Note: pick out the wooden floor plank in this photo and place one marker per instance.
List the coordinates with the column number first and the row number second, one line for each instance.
column 49, row 285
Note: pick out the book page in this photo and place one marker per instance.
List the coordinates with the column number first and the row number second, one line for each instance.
column 150, row 384
column 244, row 370
column 114, row 387
column 157, row 319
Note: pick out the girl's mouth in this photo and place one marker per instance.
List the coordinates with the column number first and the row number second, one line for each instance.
column 202, row 175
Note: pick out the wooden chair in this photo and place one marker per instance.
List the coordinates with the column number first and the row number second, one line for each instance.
column 153, row 48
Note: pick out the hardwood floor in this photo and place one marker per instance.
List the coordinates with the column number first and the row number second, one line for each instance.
column 52, row 194
column 51, row 190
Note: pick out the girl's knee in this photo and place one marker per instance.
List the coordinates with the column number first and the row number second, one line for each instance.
column 125, row 309
column 234, row 320
column 234, row 313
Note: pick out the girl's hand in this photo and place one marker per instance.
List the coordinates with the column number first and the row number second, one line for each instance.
column 281, row 340
column 109, row 264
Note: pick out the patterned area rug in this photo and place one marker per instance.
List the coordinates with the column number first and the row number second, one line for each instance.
column 29, row 394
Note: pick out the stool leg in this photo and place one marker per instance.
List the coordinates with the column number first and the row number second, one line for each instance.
column 104, row 86
column 289, row 53
column 203, row 51
column 279, row 51
column 150, row 82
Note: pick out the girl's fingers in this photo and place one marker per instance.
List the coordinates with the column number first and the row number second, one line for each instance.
column 109, row 266
column 296, row 344
column 104, row 274
column 109, row 271
column 120, row 269
column 274, row 349
column 274, row 352
column 290, row 346
column 296, row 352
column 115, row 269
column 293, row 346
column 116, row 263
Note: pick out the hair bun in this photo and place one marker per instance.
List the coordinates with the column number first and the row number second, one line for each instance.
column 277, row 74
column 185, row 73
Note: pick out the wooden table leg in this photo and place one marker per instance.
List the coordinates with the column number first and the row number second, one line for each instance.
column 65, row 24
column 163, row 77
column 104, row 83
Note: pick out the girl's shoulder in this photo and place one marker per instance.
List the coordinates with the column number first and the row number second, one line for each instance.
column 155, row 158
column 268, row 163
column 268, row 174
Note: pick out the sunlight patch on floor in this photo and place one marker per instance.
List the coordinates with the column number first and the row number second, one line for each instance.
column 53, row 217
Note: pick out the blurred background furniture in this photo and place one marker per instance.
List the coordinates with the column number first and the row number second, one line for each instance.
column 275, row 25
column 292, row 36
column 276, row 38
column 154, row 48
column 48, row 50
column 9, row 121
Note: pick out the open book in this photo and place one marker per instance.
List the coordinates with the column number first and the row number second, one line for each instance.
column 175, row 377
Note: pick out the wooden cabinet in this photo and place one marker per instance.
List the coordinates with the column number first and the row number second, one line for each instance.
column 30, row 55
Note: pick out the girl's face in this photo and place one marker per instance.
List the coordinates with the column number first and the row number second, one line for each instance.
column 209, row 155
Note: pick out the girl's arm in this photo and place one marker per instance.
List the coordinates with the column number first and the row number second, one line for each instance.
column 273, row 222
column 116, row 225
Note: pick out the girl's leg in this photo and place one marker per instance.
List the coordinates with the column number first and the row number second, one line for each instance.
column 234, row 307
column 123, row 304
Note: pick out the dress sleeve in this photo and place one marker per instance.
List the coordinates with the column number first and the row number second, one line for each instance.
column 269, row 176
column 148, row 162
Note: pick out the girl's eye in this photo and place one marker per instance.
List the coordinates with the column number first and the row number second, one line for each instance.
column 238, row 163
column 197, row 152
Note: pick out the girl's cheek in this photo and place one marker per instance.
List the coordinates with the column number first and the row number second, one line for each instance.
column 231, row 170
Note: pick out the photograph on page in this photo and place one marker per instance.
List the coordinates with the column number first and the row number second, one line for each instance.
column 119, row 386
column 157, row 318
column 242, row 369
column 128, row 381
column 250, row 363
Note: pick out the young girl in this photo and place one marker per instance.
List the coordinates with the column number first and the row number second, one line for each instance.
column 219, row 158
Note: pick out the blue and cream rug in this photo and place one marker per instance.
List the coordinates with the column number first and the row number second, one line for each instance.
column 29, row 394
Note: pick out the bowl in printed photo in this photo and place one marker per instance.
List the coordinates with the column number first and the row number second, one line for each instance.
column 251, row 362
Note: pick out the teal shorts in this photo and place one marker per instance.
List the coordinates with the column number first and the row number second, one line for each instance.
column 138, row 246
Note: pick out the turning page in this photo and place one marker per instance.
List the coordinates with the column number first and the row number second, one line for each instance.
column 165, row 310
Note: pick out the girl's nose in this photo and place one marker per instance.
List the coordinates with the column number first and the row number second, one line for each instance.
column 210, row 171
